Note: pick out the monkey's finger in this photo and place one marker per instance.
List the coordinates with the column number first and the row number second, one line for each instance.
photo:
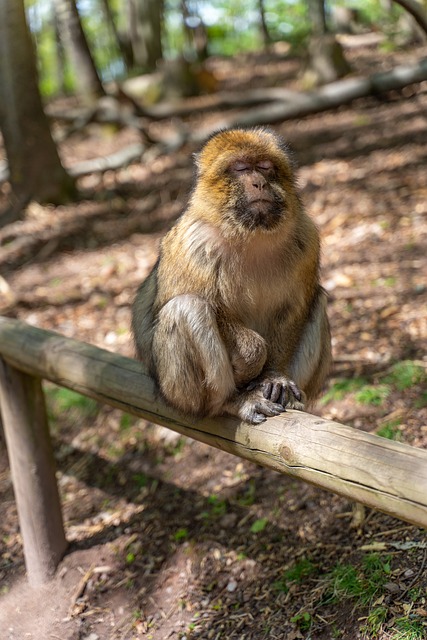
column 276, row 392
column 284, row 395
column 295, row 390
column 257, row 418
column 269, row 408
column 266, row 390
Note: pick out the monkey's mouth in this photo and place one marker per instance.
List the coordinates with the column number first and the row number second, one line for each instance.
column 259, row 212
column 262, row 213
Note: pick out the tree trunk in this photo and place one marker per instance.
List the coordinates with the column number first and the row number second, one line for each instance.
column 195, row 32
column 35, row 170
column 86, row 75
column 119, row 41
column 266, row 38
column 417, row 11
column 145, row 27
column 60, row 58
column 326, row 57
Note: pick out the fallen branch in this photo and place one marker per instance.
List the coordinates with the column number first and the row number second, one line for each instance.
column 327, row 97
column 114, row 161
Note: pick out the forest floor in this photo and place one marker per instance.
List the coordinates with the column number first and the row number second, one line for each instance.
column 170, row 538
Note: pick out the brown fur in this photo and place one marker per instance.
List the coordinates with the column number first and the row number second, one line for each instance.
column 233, row 311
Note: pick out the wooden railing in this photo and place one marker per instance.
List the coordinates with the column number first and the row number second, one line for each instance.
column 389, row 476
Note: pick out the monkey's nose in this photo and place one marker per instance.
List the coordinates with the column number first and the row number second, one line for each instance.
column 259, row 183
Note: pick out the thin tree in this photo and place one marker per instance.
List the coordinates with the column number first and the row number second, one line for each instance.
column 77, row 47
column 326, row 58
column 121, row 43
column 35, row 170
column 265, row 34
column 145, row 28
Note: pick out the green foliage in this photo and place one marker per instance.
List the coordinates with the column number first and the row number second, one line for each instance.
column 374, row 620
column 390, row 430
column 342, row 387
column 373, row 394
column 361, row 584
column 295, row 574
column 217, row 507
column 126, row 421
column 140, row 479
column 303, row 620
column 180, row 534
column 407, row 629
column 248, row 498
column 62, row 401
column 259, row 525
column 402, row 376
column 406, row 374
column 421, row 402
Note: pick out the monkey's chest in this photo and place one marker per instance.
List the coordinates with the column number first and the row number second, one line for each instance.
column 259, row 302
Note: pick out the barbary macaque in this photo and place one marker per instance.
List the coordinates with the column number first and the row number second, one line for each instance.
column 232, row 318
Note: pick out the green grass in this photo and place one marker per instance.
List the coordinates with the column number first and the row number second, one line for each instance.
column 407, row 629
column 259, row 525
column 67, row 407
column 391, row 431
column 402, row 376
column 373, row 394
column 295, row 574
column 343, row 387
column 406, row 374
column 180, row 534
column 362, row 583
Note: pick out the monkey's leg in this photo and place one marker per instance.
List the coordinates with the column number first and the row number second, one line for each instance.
column 312, row 360
column 192, row 365
column 309, row 365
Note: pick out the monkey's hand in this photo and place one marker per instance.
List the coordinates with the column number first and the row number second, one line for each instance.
column 283, row 391
column 251, row 406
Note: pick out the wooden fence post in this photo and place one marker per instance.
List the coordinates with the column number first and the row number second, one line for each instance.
column 33, row 472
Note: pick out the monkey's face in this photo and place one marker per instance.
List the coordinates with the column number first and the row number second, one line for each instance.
column 246, row 178
column 258, row 202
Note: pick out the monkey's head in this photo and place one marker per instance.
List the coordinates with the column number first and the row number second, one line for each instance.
column 247, row 177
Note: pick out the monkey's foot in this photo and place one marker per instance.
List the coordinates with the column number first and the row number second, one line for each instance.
column 283, row 391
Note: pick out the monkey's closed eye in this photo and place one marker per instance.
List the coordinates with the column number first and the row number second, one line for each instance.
column 265, row 165
column 240, row 165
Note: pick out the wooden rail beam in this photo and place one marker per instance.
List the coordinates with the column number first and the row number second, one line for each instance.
column 386, row 475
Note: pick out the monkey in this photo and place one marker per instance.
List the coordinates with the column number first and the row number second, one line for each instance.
column 232, row 318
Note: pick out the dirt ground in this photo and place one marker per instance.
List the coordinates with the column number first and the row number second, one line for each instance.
column 170, row 538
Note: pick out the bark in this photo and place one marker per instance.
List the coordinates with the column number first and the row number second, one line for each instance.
column 119, row 41
column 86, row 75
column 35, row 170
column 145, row 26
column 326, row 56
column 317, row 16
column 416, row 10
column 266, row 38
column 60, row 58
column 196, row 35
